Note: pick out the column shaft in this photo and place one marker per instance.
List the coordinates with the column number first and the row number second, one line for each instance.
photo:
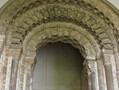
column 14, row 75
column 92, row 70
column 109, row 77
column 117, row 66
column 89, row 81
column 100, row 75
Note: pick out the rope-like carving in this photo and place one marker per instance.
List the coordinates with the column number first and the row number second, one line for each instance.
column 76, row 12
column 53, row 13
column 64, row 32
column 72, row 37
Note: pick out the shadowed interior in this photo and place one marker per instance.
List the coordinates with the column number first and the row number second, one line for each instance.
column 58, row 67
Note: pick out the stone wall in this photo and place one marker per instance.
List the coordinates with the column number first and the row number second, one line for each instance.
column 92, row 26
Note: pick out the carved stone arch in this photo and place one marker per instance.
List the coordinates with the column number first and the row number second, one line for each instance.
column 66, row 32
column 53, row 32
column 94, row 21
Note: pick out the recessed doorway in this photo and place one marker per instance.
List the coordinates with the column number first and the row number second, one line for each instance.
column 58, row 67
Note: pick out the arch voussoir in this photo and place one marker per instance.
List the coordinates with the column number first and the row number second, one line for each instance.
column 93, row 22
column 91, row 26
column 78, row 37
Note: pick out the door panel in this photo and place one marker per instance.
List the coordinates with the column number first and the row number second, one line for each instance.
column 58, row 67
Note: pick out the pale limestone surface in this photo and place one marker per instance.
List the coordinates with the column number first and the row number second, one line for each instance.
column 91, row 26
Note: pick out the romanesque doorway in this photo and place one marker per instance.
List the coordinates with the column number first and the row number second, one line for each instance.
column 92, row 26
column 58, row 67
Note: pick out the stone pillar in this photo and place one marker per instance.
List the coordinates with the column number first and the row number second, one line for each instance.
column 117, row 65
column 85, row 82
column 100, row 74
column 4, row 68
column 20, row 77
column 89, row 80
column 110, row 70
column 29, row 73
column 1, row 67
column 2, row 55
column 15, row 53
column 29, row 78
column 2, row 40
column 109, row 79
column 24, row 80
column 14, row 74
column 92, row 75
column 8, row 74
column 7, row 66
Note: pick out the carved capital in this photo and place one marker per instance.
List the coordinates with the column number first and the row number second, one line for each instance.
column 15, row 53
column 108, row 56
column 90, row 65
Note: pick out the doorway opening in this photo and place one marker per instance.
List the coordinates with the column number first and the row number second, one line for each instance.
column 58, row 67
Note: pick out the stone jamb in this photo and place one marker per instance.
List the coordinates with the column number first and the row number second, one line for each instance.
column 15, row 54
column 8, row 74
column 100, row 74
column 108, row 60
column 25, row 71
column 4, row 67
column 92, row 64
column 110, row 69
column 92, row 73
column 116, row 54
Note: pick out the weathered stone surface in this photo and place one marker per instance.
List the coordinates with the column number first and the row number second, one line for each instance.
column 89, row 25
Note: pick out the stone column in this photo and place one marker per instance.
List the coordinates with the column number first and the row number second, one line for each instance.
column 20, row 77
column 7, row 64
column 2, row 41
column 117, row 65
column 109, row 77
column 29, row 78
column 110, row 70
column 30, row 69
column 100, row 74
column 24, row 80
column 8, row 74
column 92, row 74
column 2, row 55
column 15, row 53
column 1, row 67
column 4, row 68
column 85, row 82
column 89, row 80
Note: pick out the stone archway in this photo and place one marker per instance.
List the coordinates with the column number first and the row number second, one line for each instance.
column 53, row 33
column 84, row 24
column 59, row 66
